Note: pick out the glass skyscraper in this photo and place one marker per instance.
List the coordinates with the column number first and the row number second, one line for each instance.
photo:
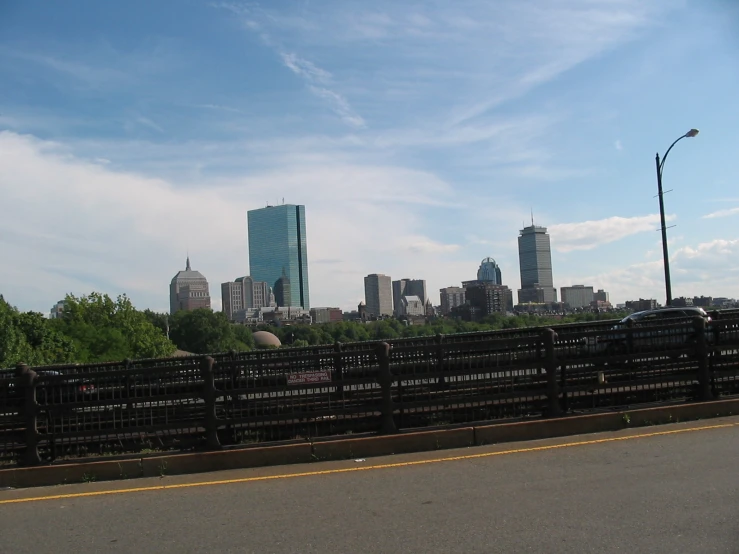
column 278, row 252
column 489, row 272
column 535, row 260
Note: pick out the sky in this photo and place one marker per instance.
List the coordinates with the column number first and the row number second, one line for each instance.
column 420, row 136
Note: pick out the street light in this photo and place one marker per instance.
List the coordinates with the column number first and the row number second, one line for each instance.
column 660, row 166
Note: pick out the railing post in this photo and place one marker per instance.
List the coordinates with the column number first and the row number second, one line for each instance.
column 701, row 352
column 385, row 379
column 26, row 379
column 439, row 340
column 209, row 397
column 339, row 368
column 550, row 365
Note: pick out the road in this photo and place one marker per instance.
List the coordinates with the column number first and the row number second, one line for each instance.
column 672, row 488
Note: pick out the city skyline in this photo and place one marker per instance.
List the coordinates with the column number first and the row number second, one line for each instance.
column 130, row 137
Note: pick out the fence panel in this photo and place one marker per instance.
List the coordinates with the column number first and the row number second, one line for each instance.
column 285, row 395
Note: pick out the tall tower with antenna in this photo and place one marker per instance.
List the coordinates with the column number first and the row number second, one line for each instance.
column 535, row 263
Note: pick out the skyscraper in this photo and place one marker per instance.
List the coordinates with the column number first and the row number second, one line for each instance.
column 535, row 260
column 188, row 290
column 378, row 295
column 489, row 272
column 278, row 252
column 408, row 287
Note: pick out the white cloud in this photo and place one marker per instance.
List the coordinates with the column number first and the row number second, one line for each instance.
column 722, row 213
column 78, row 226
column 710, row 268
column 586, row 235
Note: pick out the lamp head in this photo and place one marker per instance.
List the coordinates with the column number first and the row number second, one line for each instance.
column 692, row 133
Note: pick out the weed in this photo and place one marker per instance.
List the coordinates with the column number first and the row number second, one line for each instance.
column 88, row 478
column 162, row 468
column 626, row 419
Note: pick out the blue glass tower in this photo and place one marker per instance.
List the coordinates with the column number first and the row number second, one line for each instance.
column 489, row 272
column 278, row 252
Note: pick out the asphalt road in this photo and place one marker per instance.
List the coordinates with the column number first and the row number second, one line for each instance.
column 673, row 491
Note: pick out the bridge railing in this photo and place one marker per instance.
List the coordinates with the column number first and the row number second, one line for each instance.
column 54, row 412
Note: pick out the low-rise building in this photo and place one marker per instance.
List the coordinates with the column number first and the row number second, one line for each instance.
column 577, row 296
column 411, row 306
column 326, row 315
column 486, row 298
column 451, row 297
column 641, row 305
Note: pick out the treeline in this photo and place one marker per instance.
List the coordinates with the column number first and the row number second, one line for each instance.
column 350, row 331
column 96, row 328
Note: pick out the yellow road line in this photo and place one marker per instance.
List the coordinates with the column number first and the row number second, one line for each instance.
column 366, row 468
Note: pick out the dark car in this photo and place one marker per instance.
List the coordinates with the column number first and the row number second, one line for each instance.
column 649, row 335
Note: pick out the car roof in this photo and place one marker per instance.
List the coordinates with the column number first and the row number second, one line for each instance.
column 665, row 309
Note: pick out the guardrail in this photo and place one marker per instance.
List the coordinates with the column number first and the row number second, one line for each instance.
column 206, row 402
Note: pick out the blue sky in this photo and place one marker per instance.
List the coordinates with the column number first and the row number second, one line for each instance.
column 419, row 135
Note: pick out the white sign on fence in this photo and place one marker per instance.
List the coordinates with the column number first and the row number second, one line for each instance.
column 308, row 377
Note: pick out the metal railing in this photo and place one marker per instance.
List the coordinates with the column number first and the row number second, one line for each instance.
column 206, row 402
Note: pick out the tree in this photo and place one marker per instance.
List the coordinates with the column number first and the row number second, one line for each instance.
column 203, row 331
column 28, row 338
column 105, row 329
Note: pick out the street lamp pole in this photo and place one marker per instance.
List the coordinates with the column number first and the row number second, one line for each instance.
column 665, row 255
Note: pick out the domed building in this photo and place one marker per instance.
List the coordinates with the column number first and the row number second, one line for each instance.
column 489, row 272
column 265, row 339
column 188, row 290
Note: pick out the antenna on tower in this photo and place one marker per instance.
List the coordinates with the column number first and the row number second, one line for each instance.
column 532, row 217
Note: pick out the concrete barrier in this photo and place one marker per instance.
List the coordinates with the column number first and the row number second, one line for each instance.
column 201, row 462
column 62, row 474
column 402, row 443
column 681, row 412
column 548, row 428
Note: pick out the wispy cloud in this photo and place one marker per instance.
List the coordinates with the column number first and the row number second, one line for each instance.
column 146, row 122
column 305, row 68
column 317, row 80
column 587, row 235
column 618, row 145
column 722, row 213
column 218, row 107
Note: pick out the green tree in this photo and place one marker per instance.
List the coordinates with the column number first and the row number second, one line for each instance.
column 203, row 331
column 29, row 338
column 105, row 329
column 14, row 347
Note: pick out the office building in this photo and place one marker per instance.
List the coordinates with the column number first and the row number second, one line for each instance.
column 57, row 310
column 600, row 296
column 641, row 305
column 412, row 306
column 451, row 297
column 188, row 290
column 243, row 293
column 378, row 295
column 577, row 296
column 326, row 315
column 485, row 298
column 535, row 260
column 489, row 272
column 278, row 252
column 408, row 287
